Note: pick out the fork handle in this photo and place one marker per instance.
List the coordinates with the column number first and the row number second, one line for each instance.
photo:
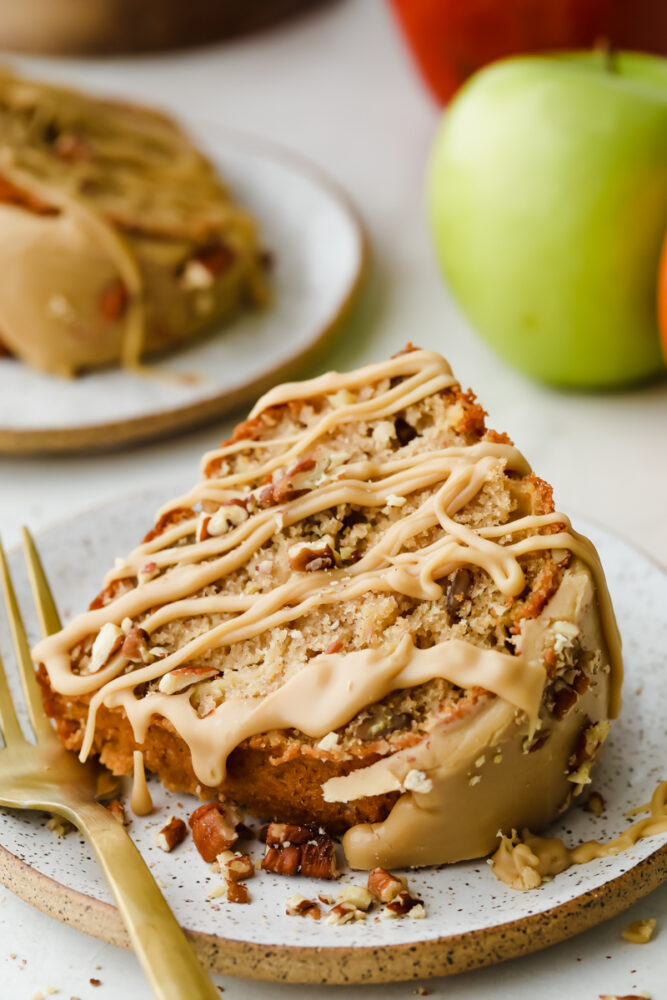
column 166, row 956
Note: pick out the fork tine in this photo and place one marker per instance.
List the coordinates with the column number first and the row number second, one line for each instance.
column 40, row 723
column 11, row 730
column 49, row 619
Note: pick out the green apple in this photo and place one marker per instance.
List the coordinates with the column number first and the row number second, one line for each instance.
column 547, row 193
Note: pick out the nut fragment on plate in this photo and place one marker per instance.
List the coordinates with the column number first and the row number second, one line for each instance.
column 117, row 810
column 300, row 906
column 291, row 848
column 171, row 835
column 639, row 931
column 357, row 895
column 344, row 913
column 213, row 828
column 384, row 885
column 235, row 866
column 237, row 892
column 403, row 904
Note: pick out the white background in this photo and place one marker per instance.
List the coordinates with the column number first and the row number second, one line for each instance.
column 338, row 87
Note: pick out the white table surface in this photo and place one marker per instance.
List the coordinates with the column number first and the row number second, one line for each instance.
column 338, row 87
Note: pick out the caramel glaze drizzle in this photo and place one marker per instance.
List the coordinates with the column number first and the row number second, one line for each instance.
column 332, row 688
column 523, row 864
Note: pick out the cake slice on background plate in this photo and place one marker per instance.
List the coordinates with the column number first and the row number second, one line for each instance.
column 366, row 616
column 117, row 239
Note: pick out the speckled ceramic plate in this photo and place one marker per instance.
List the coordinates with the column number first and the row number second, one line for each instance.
column 472, row 920
column 319, row 251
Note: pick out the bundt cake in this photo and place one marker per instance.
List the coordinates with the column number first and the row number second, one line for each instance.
column 117, row 238
column 366, row 615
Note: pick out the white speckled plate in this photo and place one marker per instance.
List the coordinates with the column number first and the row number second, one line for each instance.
column 472, row 918
column 319, row 251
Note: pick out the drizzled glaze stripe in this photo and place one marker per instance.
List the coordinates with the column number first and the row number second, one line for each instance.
column 454, row 476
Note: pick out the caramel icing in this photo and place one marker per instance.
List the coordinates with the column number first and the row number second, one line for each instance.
column 141, row 802
column 331, row 689
column 524, row 863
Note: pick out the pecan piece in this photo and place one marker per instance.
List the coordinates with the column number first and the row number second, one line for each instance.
column 291, row 848
column 237, row 892
column 384, row 885
column 235, row 866
column 282, row 860
column 112, row 300
column 318, row 858
column 405, row 432
column 182, row 677
column 213, row 828
column 171, row 835
column 299, row 906
column 564, row 701
column 344, row 913
column 403, row 903
column 310, row 557
column 284, row 834
column 117, row 810
column 458, row 588
column 135, row 645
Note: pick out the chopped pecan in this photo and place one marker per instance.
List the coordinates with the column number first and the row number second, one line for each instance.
column 291, row 848
column 169, row 518
column 537, row 741
column 171, row 835
column 590, row 737
column 237, row 892
column 564, row 701
column 381, row 721
column 216, row 257
column 112, row 300
column 12, row 195
column 284, row 834
column 294, row 483
column 344, row 913
column 282, row 860
column 402, row 903
column 458, row 588
column 299, row 906
column 235, row 866
column 108, row 641
column 228, row 516
column 213, row 828
column 384, row 885
column 117, row 810
column 182, row 677
column 136, row 645
column 357, row 895
column 405, row 432
column 318, row 858
column 310, row 557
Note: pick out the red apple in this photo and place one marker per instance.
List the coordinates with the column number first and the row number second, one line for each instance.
column 451, row 39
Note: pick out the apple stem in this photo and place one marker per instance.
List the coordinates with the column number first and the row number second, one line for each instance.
column 609, row 54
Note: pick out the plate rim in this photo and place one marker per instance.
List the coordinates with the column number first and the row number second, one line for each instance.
column 344, row 965
column 111, row 434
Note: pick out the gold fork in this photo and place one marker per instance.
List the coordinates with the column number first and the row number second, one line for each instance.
column 47, row 777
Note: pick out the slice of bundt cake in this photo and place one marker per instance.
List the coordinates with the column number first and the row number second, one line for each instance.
column 365, row 615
